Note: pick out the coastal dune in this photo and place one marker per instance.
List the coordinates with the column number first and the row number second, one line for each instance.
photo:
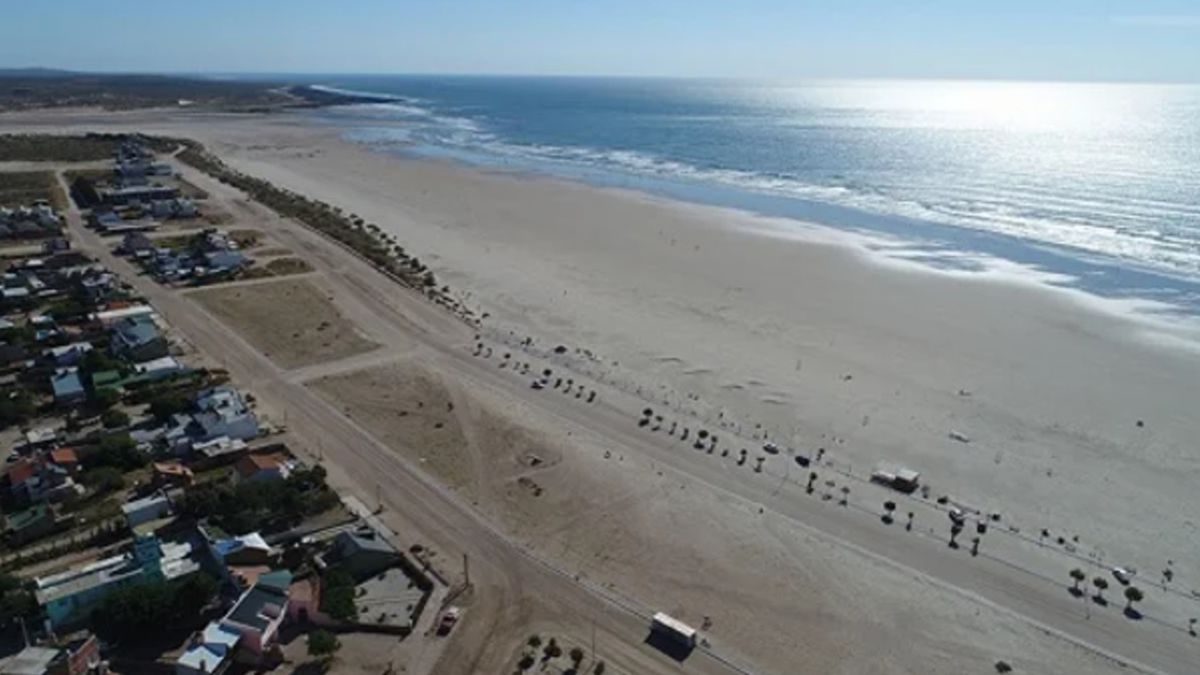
column 1057, row 411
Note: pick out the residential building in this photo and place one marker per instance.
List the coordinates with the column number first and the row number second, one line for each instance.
column 146, row 509
column 68, row 388
column 361, row 554
column 257, row 616
column 68, row 355
column 68, row 597
column 172, row 474
column 65, row 458
column 246, row 549
column 264, row 467
column 210, row 652
column 138, row 339
column 29, row 525
column 220, row 412
column 31, row 661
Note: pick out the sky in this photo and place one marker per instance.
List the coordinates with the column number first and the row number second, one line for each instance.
column 1108, row 40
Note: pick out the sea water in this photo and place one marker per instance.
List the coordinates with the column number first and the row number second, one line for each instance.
column 1098, row 184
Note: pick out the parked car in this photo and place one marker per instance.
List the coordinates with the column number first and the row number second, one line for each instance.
column 770, row 448
column 803, row 460
column 448, row 620
column 1124, row 574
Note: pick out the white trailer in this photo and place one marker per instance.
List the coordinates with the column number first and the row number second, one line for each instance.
column 673, row 628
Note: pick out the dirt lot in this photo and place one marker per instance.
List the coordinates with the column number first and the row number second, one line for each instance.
column 292, row 322
column 645, row 531
column 410, row 410
column 23, row 188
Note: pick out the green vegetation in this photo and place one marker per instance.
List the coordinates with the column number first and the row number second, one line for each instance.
column 16, row 600
column 103, row 479
column 323, row 644
column 268, row 506
column 135, row 612
column 114, row 419
column 16, row 407
column 124, row 92
column 52, row 148
column 163, row 406
column 365, row 239
column 23, row 188
column 337, row 595
column 117, row 451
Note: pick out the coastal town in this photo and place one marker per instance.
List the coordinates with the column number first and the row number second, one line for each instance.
column 155, row 517
column 253, row 431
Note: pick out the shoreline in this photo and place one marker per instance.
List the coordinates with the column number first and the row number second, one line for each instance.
column 1161, row 323
column 809, row 340
column 1104, row 274
column 725, row 329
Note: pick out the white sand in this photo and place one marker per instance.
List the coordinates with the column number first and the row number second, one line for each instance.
column 768, row 328
column 810, row 334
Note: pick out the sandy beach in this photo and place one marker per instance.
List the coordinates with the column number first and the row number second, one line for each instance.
column 1056, row 411
column 810, row 336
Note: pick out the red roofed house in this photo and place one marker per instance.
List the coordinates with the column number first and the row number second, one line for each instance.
column 270, row 466
column 172, row 473
column 66, row 458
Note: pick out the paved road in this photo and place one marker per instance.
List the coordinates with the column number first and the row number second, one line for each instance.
column 511, row 587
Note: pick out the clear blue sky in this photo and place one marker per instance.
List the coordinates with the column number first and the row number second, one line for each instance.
column 1017, row 39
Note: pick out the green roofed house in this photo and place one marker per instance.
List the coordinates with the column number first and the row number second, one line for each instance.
column 106, row 379
column 32, row 523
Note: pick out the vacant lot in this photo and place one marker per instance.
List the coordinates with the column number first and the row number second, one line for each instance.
column 23, row 188
column 292, row 322
column 410, row 410
column 54, row 148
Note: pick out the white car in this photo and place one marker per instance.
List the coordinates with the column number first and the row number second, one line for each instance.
column 1124, row 574
column 770, row 448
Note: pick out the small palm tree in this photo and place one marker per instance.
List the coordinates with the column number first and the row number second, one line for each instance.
column 1101, row 584
column 845, row 495
column 909, row 525
column 812, row 478
column 888, row 508
column 1132, row 594
column 975, row 545
column 1077, row 576
column 955, row 530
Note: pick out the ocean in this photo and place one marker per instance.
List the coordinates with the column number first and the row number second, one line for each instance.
column 1097, row 184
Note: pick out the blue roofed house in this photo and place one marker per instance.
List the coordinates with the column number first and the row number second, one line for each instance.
column 137, row 338
column 68, row 388
column 217, row 413
column 223, row 262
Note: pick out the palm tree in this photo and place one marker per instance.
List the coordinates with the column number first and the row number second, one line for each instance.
column 974, row 546
column 1078, row 576
column 845, row 495
column 908, row 526
column 812, row 477
column 1132, row 594
column 955, row 530
column 1101, row 584
column 888, row 508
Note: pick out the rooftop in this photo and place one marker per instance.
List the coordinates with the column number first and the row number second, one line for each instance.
column 258, row 607
column 29, row 661
column 64, row 456
column 210, row 648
